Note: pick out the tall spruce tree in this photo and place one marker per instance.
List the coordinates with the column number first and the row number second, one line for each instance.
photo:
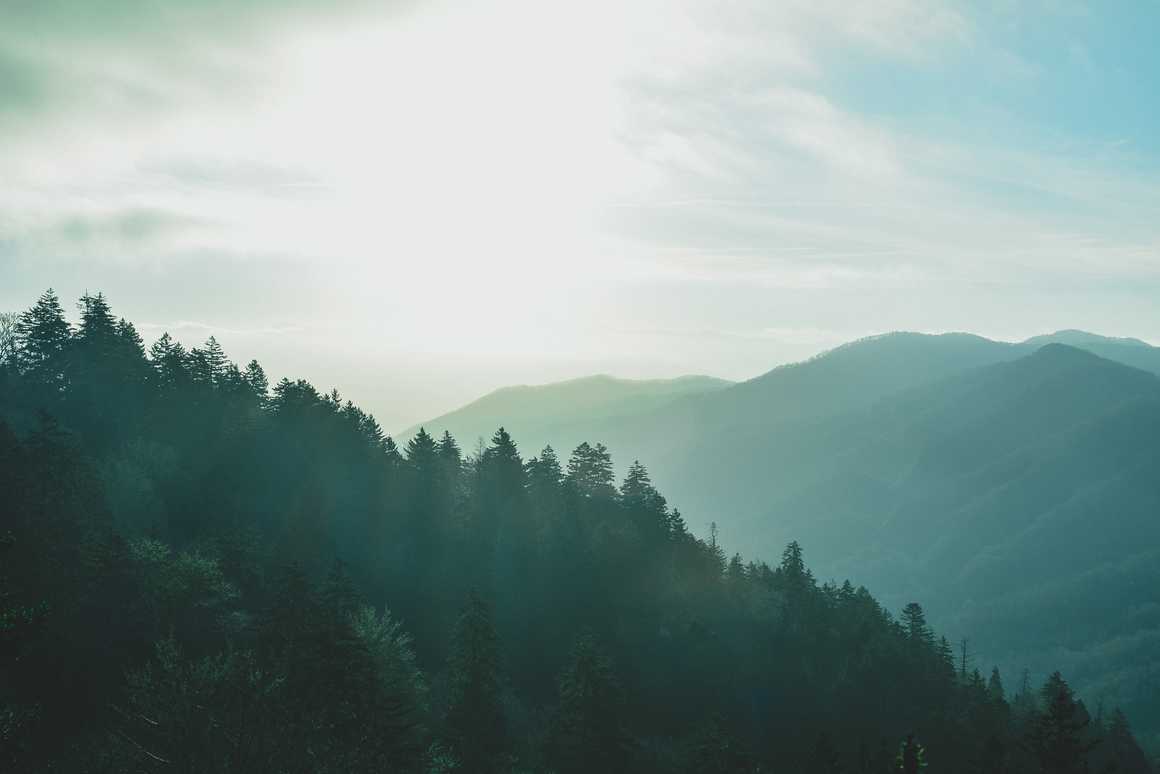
column 1057, row 733
column 588, row 734
column 475, row 722
column 42, row 339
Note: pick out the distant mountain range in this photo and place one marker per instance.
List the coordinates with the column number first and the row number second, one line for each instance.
column 559, row 412
column 1012, row 488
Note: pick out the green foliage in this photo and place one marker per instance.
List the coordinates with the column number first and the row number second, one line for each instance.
column 475, row 721
column 588, row 734
column 195, row 573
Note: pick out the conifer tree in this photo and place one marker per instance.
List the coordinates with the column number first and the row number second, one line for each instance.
column 1125, row 752
column 255, row 377
column 8, row 349
column 42, row 339
column 451, row 456
column 1057, row 733
column 215, row 359
column 588, row 734
column 995, row 687
column 914, row 623
column 590, row 471
column 793, row 566
column 170, row 362
column 475, row 722
column 98, row 328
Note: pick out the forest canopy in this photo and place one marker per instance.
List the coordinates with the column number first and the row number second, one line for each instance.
column 204, row 572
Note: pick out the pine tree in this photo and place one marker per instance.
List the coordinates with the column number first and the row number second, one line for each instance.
column 98, row 327
column 590, row 471
column 588, row 734
column 646, row 506
column 170, row 362
column 1125, row 752
column 793, row 566
column 946, row 656
column 255, row 377
column 995, row 687
column 422, row 454
column 451, row 455
column 1024, row 704
column 475, row 722
column 215, row 360
column 8, row 342
column 914, row 623
column 1057, row 733
column 42, row 339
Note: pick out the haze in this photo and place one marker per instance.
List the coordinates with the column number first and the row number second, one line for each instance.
column 418, row 202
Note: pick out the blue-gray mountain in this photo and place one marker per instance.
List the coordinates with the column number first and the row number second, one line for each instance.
column 1013, row 489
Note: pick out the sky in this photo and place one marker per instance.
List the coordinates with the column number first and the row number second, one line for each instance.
column 417, row 201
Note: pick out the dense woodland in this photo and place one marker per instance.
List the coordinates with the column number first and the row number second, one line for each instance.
column 204, row 573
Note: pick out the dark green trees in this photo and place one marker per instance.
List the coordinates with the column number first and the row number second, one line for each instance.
column 1123, row 752
column 914, row 624
column 590, row 471
column 1057, row 735
column 147, row 612
column 475, row 722
column 588, row 734
column 43, row 336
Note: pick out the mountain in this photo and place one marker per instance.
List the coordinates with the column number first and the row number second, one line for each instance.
column 1020, row 500
column 199, row 573
column 1011, row 487
column 559, row 413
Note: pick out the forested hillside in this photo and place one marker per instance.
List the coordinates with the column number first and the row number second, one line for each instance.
column 1014, row 487
column 200, row 573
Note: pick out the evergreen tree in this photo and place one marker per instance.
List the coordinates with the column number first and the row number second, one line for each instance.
column 451, row 457
column 215, row 360
column 1125, row 753
column 475, row 722
column 646, row 506
column 170, row 361
column 8, row 341
column 995, row 687
column 588, row 735
column 1024, row 704
column 590, row 471
column 544, row 475
column 793, row 566
column 42, row 340
column 98, row 328
column 1057, row 733
column 255, row 377
column 914, row 623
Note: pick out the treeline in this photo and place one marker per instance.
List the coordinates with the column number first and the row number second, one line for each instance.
column 201, row 573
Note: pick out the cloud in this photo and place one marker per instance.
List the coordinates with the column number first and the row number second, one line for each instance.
column 115, row 234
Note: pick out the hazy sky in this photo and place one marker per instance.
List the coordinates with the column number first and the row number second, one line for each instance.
column 419, row 201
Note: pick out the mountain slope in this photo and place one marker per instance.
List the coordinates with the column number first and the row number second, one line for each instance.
column 1021, row 499
column 557, row 413
column 1014, row 487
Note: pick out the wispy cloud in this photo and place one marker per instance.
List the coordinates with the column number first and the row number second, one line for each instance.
column 523, row 178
